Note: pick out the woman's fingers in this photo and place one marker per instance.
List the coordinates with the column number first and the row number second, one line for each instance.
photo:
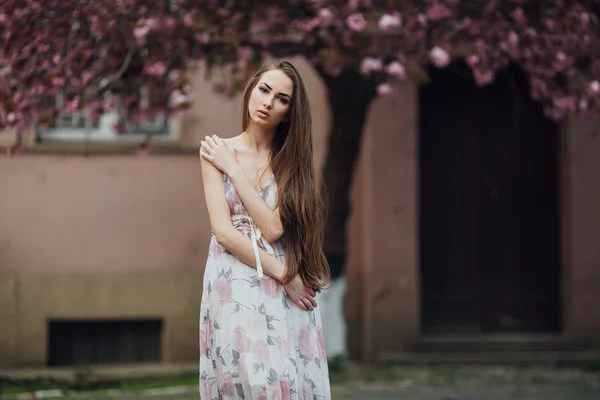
column 300, row 304
column 307, row 304
column 214, row 141
column 206, row 147
column 204, row 154
column 312, row 301
column 312, row 292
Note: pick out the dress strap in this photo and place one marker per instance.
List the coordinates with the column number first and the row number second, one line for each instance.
column 256, row 238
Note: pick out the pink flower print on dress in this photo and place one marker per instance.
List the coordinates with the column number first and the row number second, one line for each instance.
column 260, row 348
column 270, row 286
column 307, row 391
column 262, row 396
column 223, row 289
column 240, row 341
column 276, row 391
column 304, row 343
column 206, row 387
column 321, row 343
column 315, row 349
column 256, row 324
column 215, row 248
column 228, row 389
column 202, row 343
column 284, row 384
column 283, row 346
column 235, row 203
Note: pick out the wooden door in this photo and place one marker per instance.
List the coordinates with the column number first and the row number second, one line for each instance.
column 489, row 228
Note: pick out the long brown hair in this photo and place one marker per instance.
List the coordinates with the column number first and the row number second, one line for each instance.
column 298, row 197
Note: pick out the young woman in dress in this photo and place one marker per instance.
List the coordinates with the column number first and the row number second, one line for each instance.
column 261, row 335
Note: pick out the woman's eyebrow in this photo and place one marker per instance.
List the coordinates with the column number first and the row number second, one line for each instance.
column 270, row 88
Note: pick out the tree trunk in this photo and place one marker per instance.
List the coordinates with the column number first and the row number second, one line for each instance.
column 349, row 97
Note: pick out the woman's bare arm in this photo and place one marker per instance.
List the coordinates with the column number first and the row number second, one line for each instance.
column 265, row 218
column 227, row 236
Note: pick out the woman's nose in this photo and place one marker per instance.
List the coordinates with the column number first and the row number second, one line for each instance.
column 268, row 103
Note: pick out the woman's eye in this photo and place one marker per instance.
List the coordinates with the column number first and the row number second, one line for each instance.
column 263, row 90
column 283, row 100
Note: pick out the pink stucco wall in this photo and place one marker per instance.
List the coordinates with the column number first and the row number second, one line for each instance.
column 101, row 214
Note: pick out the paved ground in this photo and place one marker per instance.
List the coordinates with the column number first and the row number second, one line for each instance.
column 421, row 383
column 393, row 393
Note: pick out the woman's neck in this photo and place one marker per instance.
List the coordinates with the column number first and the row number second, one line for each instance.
column 259, row 139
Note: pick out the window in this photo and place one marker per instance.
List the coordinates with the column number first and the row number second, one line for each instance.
column 104, row 341
column 80, row 127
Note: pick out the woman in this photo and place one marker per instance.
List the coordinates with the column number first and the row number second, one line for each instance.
column 260, row 328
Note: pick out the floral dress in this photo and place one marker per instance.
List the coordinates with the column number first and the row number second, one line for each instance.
column 255, row 343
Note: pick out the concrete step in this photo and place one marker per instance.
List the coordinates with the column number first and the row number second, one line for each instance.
column 553, row 358
column 497, row 343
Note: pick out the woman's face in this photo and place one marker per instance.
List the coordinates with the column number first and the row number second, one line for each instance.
column 270, row 99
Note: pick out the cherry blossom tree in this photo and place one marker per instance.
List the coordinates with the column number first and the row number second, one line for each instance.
column 65, row 55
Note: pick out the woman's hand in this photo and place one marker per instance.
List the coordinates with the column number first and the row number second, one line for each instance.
column 301, row 294
column 219, row 153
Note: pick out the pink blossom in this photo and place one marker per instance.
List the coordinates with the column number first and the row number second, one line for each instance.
column 390, row 21
column 437, row 12
column 141, row 32
column 356, row 22
column 594, row 87
column 270, row 287
column 203, row 37
column 422, row 20
column 472, row 60
column 439, row 57
column 310, row 24
column 223, row 288
column 178, row 98
column 58, row 81
column 519, row 16
column 157, row 69
column 188, row 19
column 483, row 76
column 227, row 382
column 353, row 4
column 384, row 88
column 513, row 38
column 244, row 52
column 326, row 16
column 370, row 64
column 304, row 343
column 396, row 69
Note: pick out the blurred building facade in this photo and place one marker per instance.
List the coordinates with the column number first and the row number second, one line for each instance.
column 475, row 225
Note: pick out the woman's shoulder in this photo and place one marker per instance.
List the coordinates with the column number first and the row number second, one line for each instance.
column 234, row 141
